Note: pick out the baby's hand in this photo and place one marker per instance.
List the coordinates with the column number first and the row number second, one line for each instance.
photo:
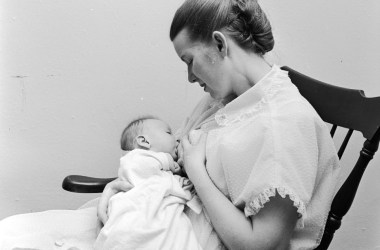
column 176, row 169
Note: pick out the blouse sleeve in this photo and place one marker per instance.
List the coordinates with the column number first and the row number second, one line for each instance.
column 271, row 153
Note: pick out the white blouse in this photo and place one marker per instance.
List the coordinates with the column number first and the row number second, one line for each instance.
column 271, row 139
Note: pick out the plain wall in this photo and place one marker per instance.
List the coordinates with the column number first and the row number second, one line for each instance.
column 73, row 73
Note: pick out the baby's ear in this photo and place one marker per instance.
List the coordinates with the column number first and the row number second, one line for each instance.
column 142, row 142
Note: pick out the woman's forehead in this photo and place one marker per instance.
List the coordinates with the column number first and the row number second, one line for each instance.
column 183, row 43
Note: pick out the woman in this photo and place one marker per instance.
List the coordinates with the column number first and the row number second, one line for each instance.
column 265, row 169
column 267, row 173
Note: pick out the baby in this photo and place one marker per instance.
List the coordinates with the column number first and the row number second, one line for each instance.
column 150, row 215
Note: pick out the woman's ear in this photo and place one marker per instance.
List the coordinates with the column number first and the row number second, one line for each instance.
column 220, row 41
column 142, row 142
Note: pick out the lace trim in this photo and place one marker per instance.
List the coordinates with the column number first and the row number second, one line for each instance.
column 222, row 119
column 258, row 202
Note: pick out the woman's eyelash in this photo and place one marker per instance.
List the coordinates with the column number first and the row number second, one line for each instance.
column 188, row 62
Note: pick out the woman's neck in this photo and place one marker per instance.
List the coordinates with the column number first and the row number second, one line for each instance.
column 250, row 68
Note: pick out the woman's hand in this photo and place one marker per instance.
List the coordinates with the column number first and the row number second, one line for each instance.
column 111, row 189
column 194, row 156
column 180, row 154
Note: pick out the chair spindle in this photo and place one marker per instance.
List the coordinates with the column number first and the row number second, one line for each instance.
column 346, row 194
column 344, row 143
column 333, row 129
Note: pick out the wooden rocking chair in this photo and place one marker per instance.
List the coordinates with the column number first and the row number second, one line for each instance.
column 341, row 107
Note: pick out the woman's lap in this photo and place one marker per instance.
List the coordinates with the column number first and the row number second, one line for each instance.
column 77, row 229
column 53, row 229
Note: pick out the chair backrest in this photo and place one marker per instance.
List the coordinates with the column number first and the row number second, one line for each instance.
column 350, row 109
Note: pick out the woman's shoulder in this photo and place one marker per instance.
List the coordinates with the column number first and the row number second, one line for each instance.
column 295, row 108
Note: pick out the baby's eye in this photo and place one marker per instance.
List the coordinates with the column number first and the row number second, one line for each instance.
column 169, row 132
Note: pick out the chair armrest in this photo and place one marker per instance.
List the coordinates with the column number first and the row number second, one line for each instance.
column 85, row 184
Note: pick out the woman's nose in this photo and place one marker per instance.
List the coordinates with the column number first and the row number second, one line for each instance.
column 191, row 77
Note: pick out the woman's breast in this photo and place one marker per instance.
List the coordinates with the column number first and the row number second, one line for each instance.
column 214, row 164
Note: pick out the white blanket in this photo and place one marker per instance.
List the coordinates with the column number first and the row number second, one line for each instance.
column 50, row 230
column 149, row 216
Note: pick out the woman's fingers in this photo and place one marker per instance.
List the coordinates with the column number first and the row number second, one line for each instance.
column 202, row 139
column 111, row 189
column 180, row 154
column 185, row 143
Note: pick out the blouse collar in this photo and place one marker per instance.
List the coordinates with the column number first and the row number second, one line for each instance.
column 253, row 99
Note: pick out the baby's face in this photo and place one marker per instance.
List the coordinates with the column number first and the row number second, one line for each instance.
column 160, row 137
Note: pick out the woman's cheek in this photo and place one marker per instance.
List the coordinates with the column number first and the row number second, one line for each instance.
column 197, row 71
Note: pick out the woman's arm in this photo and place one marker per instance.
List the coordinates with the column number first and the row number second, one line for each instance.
column 271, row 228
column 110, row 189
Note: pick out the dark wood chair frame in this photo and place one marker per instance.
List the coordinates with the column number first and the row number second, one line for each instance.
column 340, row 107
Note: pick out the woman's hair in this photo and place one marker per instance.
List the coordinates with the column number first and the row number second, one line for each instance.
column 133, row 129
column 243, row 20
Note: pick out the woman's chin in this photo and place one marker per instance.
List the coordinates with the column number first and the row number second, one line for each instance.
column 215, row 96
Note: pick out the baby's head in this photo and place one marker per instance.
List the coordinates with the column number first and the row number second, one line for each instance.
column 149, row 133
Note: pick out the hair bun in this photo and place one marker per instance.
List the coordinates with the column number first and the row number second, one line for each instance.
column 243, row 20
column 253, row 25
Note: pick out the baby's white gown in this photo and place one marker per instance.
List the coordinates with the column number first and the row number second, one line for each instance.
column 150, row 215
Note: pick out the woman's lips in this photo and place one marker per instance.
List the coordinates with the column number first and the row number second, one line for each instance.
column 203, row 86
